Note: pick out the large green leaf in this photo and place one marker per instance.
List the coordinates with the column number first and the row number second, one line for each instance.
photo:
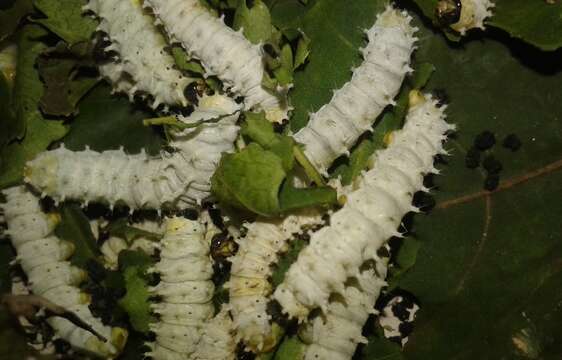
column 29, row 124
column 108, row 122
column 11, row 13
column 536, row 22
column 66, row 19
column 489, row 267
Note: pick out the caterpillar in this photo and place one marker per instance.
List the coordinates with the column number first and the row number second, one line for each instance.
column 142, row 63
column 334, row 335
column 43, row 257
column 335, row 127
column 249, row 286
column 141, row 181
column 222, row 51
column 371, row 213
column 186, row 328
column 463, row 15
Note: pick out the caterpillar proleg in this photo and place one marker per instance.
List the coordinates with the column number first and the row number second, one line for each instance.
column 222, row 51
column 141, row 181
column 249, row 285
column 334, row 128
column 186, row 328
column 371, row 213
column 142, row 63
column 43, row 258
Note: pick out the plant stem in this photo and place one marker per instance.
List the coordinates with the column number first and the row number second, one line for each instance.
column 309, row 169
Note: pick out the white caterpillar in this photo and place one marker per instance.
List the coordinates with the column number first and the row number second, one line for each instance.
column 334, row 128
column 371, row 214
column 143, row 65
column 186, row 327
column 43, row 258
column 334, row 335
column 222, row 51
column 249, row 285
column 141, row 181
column 473, row 13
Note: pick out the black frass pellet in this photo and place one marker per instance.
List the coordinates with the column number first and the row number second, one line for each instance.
column 512, row 142
column 485, row 140
column 492, row 165
column 472, row 159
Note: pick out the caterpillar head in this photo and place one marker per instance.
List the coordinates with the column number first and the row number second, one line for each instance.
column 41, row 172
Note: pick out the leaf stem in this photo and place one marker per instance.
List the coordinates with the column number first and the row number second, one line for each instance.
column 309, row 169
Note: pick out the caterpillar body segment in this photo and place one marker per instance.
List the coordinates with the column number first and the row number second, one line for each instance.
column 43, row 258
column 142, row 181
column 337, row 125
column 222, row 51
column 472, row 16
column 249, row 285
column 142, row 64
column 200, row 149
column 336, row 333
column 371, row 214
column 187, row 327
column 138, row 181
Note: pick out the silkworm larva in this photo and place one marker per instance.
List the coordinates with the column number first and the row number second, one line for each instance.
column 371, row 214
column 186, row 326
column 142, row 64
column 334, row 128
column 141, row 181
column 222, row 51
column 249, row 285
column 43, row 258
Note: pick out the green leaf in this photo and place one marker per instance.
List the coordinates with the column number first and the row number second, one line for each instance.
column 286, row 261
column 28, row 89
column 108, row 122
column 6, row 113
column 358, row 161
column 284, row 73
column 255, row 21
column 404, row 260
column 75, row 228
column 121, row 228
column 536, row 22
column 11, row 16
column 58, row 68
column 303, row 50
column 66, row 19
column 380, row 348
column 133, row 258
column 136, row 301
column 260, row 130
column 250, row 179
column 184, row 62
column 291, row 198
column 290, row 349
